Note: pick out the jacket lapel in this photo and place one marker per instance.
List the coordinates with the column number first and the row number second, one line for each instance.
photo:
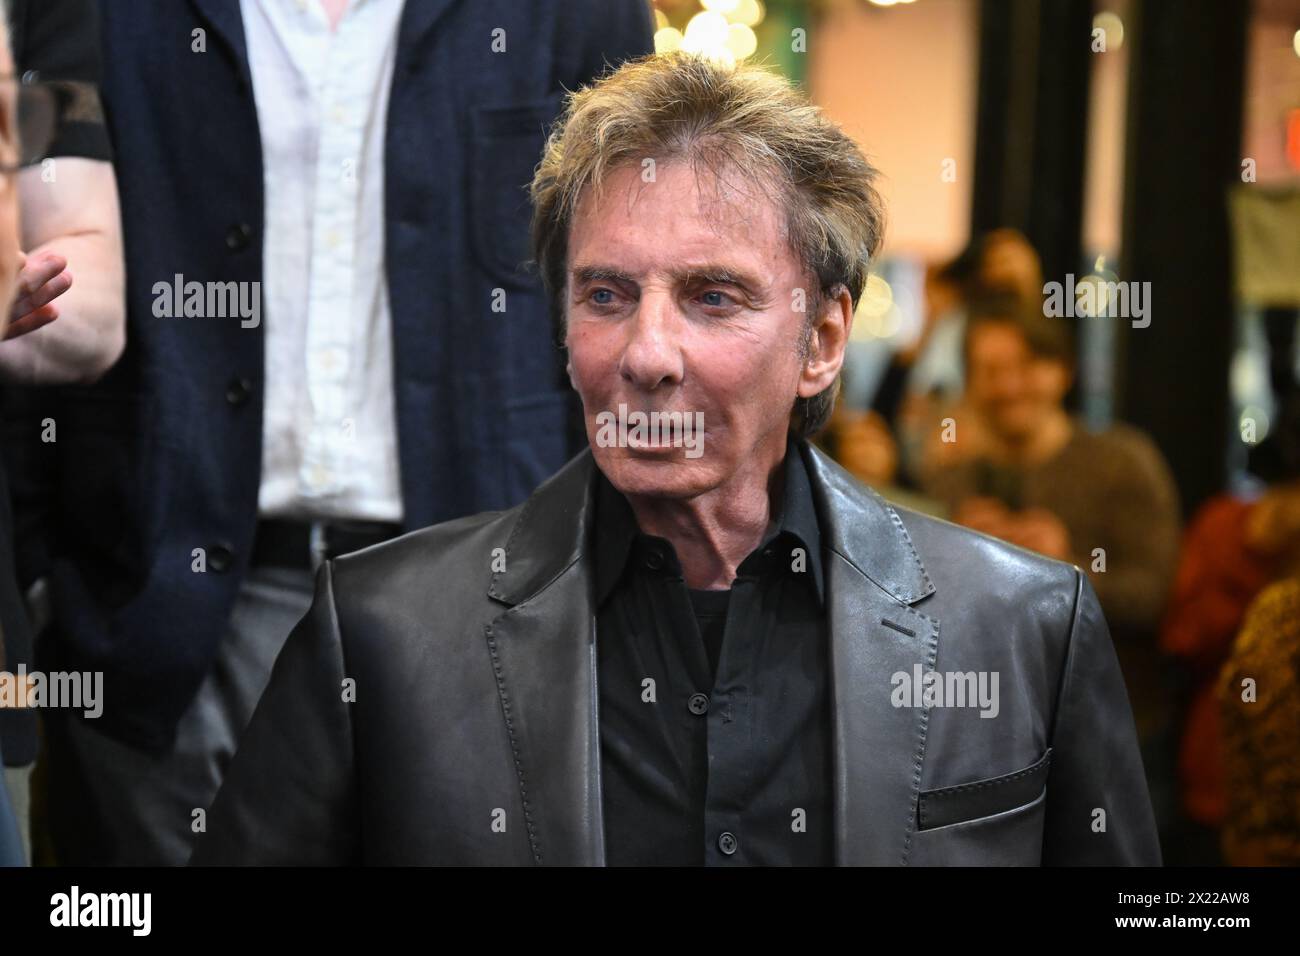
column 224, row 19
column 544, row 652
column 418, row 18
column 874, row 575
column 543, row 649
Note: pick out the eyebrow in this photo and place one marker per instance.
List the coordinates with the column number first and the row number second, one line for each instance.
column 708, row 273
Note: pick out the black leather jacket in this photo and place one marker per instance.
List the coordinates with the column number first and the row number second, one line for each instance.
column 470, row 734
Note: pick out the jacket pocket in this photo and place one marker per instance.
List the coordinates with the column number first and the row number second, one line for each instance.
column 507, row 143
column 967, row 802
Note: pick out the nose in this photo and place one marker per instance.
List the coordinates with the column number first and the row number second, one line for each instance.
column 652, row 355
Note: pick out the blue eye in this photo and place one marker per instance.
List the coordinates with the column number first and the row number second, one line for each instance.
column 721, row 299
column 602, row 292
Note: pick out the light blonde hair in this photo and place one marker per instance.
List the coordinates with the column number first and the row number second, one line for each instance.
column 717, row 118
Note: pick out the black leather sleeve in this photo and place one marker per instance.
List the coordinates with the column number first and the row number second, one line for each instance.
column 290, row 794
column 1098, row 807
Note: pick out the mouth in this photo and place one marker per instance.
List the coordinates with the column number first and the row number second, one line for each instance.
column 654, row 433
column 652, row 448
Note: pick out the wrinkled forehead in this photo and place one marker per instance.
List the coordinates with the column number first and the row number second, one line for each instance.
column 718, row 188
column 683, row 220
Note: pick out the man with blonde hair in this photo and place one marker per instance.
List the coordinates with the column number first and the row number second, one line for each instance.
column 700, row 643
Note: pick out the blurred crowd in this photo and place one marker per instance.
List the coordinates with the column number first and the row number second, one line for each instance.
column 972, row 422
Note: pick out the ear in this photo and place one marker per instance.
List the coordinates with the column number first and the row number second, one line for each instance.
column 830, row 337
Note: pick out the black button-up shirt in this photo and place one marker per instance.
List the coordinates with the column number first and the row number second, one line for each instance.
column 714, row 705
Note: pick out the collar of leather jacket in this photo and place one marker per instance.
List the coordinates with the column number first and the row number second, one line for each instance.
column 554, row 530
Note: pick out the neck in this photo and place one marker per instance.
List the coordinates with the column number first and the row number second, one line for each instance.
column 714, row 532
column 1040, row 445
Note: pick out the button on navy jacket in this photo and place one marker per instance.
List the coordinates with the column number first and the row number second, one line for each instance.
column 162, row 457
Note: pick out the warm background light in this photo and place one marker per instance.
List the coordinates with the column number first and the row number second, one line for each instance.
column 720, row 29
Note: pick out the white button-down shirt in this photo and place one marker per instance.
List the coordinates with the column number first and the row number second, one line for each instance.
column 329, row 438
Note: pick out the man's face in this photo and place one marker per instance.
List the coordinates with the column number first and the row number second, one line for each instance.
column 1006, row 381
column 8, row 182
column 681, row 298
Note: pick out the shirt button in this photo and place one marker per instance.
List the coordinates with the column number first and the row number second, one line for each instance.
column 727, row 842
column 219, row 557
column 238, row 236
column 698, row 704
column 238, row 390
column 654, row 560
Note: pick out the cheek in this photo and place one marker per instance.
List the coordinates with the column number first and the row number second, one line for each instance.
column 747, row 376
column 593, row 358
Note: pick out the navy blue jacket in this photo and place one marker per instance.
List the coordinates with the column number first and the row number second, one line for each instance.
column 11, row 847
column 163, row 455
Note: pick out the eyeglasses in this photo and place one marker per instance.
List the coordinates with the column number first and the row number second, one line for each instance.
column 43, row 108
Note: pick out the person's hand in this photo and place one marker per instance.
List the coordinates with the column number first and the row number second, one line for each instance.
column 988, row 515
column 42, row 278
column 1039, row 530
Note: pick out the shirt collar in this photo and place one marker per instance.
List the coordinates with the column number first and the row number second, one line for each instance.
column 792, row 546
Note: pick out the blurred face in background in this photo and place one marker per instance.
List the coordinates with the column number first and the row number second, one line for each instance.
column 1009, row 386
column 1010, row 262
column 9, row 154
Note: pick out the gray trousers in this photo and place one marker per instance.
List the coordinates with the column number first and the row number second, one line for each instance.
column 113, row 805
column 18, row 786
column 11, row 846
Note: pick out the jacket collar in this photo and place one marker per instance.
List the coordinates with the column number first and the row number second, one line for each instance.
column 551, row 533
column 227, row 22
column 618, row 537
column 866, row 531
column 418, row 18
column 543, row 646
column 554, row 530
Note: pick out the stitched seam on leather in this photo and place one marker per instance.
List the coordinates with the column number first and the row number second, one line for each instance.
column 913, row 807
column 936, row 796
column 991, row 813
column 514, row 746
column 981, row 785
column 898, row 522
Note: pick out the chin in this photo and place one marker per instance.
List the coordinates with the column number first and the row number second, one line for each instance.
column 655, row 476
column 1017, row 428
